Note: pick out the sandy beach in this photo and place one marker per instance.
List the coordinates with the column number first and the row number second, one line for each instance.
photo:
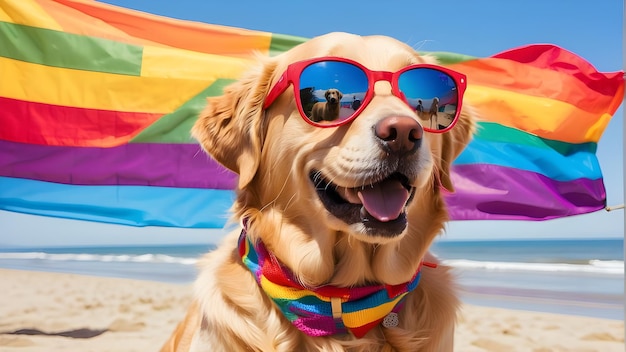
column 110, row 314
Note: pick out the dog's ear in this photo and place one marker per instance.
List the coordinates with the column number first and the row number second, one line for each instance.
column 453, row 143
column 340, row 95
column 326, row 94
column 230, row 126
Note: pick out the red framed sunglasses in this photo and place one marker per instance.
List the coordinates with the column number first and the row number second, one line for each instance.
column 333, row 91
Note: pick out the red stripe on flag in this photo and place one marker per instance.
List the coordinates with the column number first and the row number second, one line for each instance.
column 554, row 58
column 46, row 124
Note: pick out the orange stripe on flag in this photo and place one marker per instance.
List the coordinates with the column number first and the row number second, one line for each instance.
column 27, row 12
column 204, row 38
column 540, row 116
column 538, row 82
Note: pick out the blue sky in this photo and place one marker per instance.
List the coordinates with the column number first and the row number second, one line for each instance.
column 477, row 28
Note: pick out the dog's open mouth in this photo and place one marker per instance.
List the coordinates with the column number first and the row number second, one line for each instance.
column 379, row 206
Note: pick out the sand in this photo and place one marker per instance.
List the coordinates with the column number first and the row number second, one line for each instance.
column 86, row 313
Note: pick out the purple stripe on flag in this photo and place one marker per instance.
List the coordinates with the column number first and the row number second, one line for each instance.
column 491, row 192
column 141, row 164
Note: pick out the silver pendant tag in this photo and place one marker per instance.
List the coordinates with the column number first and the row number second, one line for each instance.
column 391, row 320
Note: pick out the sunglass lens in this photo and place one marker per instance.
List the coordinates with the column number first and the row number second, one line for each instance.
column 331, row 91
column 433, row 94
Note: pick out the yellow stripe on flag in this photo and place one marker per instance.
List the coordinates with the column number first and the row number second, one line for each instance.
column 544, row 117
column 185, row 64
column 95, row 90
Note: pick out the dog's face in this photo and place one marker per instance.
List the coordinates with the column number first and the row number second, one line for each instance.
column 375, row 180
column 333, row 96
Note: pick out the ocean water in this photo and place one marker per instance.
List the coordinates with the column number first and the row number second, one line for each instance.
column 581, row 277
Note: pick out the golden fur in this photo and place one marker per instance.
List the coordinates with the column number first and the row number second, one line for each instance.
column 273, row 152
column 327, row 110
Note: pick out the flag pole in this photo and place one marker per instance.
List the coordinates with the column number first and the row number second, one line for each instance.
column 614, row 207
column 624, row 130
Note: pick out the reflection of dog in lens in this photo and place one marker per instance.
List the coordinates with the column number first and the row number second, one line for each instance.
column 335, row 222
column 327, row 110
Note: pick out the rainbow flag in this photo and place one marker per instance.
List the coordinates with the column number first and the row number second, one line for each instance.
column 96, row 103
column 543, row 112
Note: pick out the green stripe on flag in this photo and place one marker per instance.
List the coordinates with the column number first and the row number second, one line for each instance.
column 447, row 58
column 281, row 43
column 175, row 127
column 494, row 132
column 66, row 50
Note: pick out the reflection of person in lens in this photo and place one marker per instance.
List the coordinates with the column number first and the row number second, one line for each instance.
column 419, row 108
column 432, row 112
column 327, row 110
column 356, row 103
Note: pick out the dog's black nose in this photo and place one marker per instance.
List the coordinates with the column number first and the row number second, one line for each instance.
column 400, row 134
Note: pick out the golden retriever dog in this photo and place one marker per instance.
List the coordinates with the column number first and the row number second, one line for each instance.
column 307, row 245
column 327, row 110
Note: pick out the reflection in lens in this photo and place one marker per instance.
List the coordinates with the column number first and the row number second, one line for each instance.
column 331, row 91
column 432, row 94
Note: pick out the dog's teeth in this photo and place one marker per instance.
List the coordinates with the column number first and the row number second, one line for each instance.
column 364, row 214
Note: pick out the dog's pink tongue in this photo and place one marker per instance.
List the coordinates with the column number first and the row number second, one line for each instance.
column 384, row 200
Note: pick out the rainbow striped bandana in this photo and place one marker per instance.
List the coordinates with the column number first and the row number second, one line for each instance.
column 326, row 310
